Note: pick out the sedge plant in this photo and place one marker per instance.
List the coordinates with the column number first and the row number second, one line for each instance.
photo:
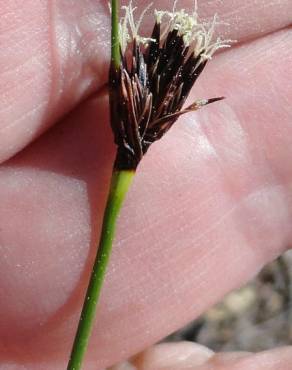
column 150, row 79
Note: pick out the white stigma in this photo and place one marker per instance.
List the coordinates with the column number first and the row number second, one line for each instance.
column 196, row 34
column 129, row 29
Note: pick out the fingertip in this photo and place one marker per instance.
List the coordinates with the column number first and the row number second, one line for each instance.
column 176, row 356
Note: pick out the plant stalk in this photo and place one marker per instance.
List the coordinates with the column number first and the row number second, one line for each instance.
column 115, row 40
column 120, row 183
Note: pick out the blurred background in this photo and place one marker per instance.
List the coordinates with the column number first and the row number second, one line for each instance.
column 254, row 318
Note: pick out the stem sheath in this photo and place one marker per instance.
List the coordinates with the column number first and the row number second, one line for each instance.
column 120, row 183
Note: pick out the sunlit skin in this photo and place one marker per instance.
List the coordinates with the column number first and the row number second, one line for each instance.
column 210, row 205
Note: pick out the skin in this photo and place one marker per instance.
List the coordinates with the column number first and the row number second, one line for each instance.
column 210, row 205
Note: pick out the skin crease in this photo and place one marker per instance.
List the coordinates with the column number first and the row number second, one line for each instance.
column 210, row 204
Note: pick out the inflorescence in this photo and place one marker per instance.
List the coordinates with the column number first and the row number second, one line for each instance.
column 154, row 79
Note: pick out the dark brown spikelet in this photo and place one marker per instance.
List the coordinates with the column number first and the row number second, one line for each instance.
column 148, row 91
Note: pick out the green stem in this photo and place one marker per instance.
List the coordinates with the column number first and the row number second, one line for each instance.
column 120, row 183
column 115, row 43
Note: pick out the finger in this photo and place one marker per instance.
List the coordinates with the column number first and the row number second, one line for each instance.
column 171, row 356
column 54, row 55
column 278, row 359
column 190, row 356
column 197, row 210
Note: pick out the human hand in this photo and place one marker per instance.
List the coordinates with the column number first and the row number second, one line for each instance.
column 210, row 204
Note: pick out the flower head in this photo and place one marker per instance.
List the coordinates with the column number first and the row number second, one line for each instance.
column 155, row 77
